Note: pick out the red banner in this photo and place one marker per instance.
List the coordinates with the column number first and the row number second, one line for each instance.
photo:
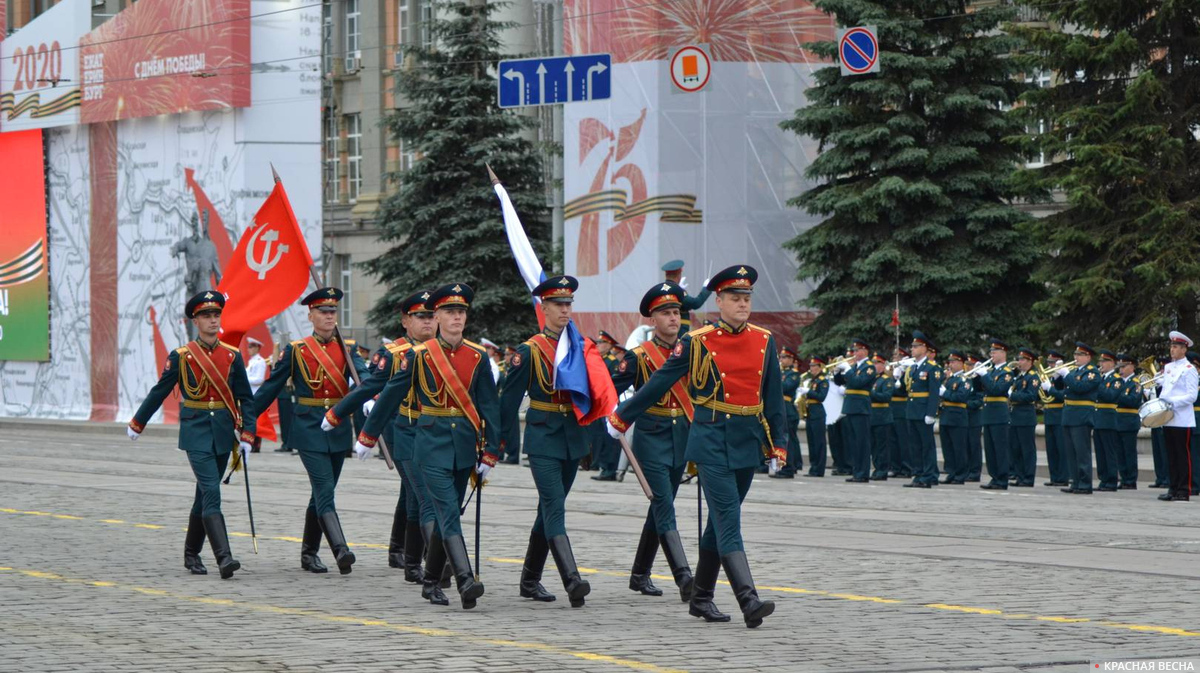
column 24, row 276
column 165, row 57
column 268, row 271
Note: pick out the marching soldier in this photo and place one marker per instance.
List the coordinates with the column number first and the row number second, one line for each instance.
column 1057, row 459
column 1129, row 400
column 554, row 443
column 902, row 457
column 881, row 419
column 413, row 520
column 213, row 385
column 1162, row 478
column 606, row 452
column 814, row 410
column 1179, row 387
column 858, row 378
column 953, row 422
column 791, row 384
column 448, row 382
column 733, row 379
column 923, row 381
column 659, row 441
column 1104, row 431
column 1021, row 438
column 318, row 368
column 674, row 274
column 1080, row 386
column 994, row 384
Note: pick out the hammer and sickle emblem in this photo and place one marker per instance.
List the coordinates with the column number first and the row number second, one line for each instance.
column 262, row 266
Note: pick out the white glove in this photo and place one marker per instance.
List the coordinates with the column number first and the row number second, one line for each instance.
column 1046, row 386
column 773, row 466
column 612, row 431
column 1146, row 392
column 245, row 448
column 942, row 391
column 845, row 366
column 368, row 406
column 898, row 384
column 1058, row 363
column 326, row 425
column 362, row 451
column 1009, row 393
column 1060, row 373
column 897, row 372
column 929, row 420
column 133, row 434
column 706, row 282
column 804, row 392
column 482, row 470
column 683, row 282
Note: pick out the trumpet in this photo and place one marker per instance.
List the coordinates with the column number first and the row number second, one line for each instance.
column 1044, row 374
column 903, row 362
column 837, row 361
column 981, row 368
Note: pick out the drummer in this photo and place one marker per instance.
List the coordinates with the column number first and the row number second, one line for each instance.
column 1179, row 387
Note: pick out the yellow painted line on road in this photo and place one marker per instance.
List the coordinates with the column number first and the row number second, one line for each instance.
column 943, row 607
column 622, row 662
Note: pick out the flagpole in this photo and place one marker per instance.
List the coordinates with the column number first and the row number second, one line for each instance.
column 337, row 333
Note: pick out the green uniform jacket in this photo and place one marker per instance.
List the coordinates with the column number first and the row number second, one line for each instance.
column 202, row 429
column 1024, row 397
column 1080, row 386
column 858, row 380
column 791, row 383
column 881, row 400
column 899, row 399
column 306, row 433
column 449, row 442
column 716, row 437
column 954, row 402
column 404, row 426
column 554, row 434
column 923, row 382
column 690, row 304
column 994, row 385
column 657, row 439
column 975, row 409
column 1106, row 402
column 1129, row 400
column 818, row 389
column 1052, row 411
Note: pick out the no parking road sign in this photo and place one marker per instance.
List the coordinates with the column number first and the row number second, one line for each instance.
column 858, row 50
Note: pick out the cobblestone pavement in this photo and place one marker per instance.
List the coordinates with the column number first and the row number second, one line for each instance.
column 865, row 577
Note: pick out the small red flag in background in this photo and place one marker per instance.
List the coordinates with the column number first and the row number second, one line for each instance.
column 895, row 317
column 269, row 269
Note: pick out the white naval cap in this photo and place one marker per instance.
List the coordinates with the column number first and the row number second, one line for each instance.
column 251, row 341
column 1180, row 338
column 488, row 343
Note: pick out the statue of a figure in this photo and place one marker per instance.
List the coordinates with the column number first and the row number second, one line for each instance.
column 203, row 270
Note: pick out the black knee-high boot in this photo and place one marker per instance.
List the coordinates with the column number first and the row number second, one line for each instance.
column 577, row 587
column 531, row 572
column 672, row 548
column 311, row 543
column 643, row 561
column 193, row 542
column 707, row 570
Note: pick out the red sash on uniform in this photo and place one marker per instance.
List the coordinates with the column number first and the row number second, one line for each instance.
column 457, row 389
column 332, row 371
column 679, row 390
column 215, row 379
column 544, row 347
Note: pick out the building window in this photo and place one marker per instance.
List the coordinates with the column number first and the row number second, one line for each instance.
column 332, row 160
column 327, row 36
column 345, row 278
column 353, row 33
column 354, row 155
column 426, row 23
column 407, row 157
column 402, row 24
column 1040, row 79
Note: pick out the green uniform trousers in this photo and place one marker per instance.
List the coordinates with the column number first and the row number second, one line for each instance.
column 324, row 470
column 208, row 468
column 724, row 491
column 445, row 489
column 553, row 478
column 664, row 484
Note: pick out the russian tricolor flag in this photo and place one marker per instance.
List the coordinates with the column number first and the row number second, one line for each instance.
column 578, row 367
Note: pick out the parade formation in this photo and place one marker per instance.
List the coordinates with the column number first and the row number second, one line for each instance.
column 720, row 402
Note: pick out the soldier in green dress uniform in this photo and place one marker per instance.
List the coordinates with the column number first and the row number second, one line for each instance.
column 674, row 274
column 814, row 410
column 1081, row 387
column 606, row 452
column 901, row 461
column 953, row 421
column 1056, row 446
column 554, row 443
column 994, row 384
column 1023, row 394
column 217, row 416
column 414, row 517
column 881, row 419
column 858, row 376
column 1104, row 427
column 923, row 381
column 659, row 441
column 1129, row 400
column 447, row 381
column 974, row 425
column 318, row 368
column 791, row 384
column 732, row 372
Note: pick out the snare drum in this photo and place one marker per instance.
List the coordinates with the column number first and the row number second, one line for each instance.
column 1156, row 413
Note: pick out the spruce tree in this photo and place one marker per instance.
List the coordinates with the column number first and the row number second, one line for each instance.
column 444, row 221
column 913, row 182
column 1120, row 125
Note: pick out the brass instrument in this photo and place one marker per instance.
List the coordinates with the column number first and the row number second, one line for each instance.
column 1044, row 374
column 837, row 361
column 981, row 368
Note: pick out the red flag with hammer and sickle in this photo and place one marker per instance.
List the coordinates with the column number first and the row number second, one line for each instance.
column 268, row 271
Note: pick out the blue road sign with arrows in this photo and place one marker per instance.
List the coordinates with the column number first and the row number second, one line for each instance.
column 550, row 81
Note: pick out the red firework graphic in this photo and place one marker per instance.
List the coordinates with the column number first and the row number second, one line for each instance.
column 735, row 30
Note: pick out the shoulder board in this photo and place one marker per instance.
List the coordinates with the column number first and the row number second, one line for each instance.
column 182, row 350
column 756, row 328
column 232, row 348
column 298, row 342
column 529, row 342
column 474, row 345
column 639, row 350
column 419, row 348
column 395, row 348
column 700, row 331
